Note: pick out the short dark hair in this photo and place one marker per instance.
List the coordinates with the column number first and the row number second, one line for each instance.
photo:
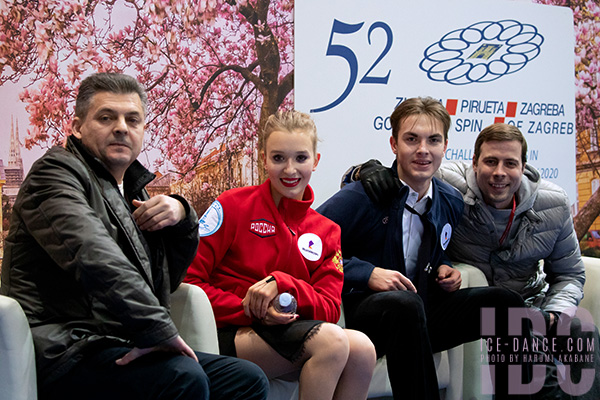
column 111, row 82
column 427, row 106
column 501, row 133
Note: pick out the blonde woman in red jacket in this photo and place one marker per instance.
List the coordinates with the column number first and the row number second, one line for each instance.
column 260, row 241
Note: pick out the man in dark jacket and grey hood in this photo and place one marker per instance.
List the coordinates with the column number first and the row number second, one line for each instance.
column 517, row 228
column 92, row 259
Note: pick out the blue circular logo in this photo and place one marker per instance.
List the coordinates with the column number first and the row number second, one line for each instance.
column 482, row 52
column 212, row 219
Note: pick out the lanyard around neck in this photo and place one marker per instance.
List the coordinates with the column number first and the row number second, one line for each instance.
column 510, row 220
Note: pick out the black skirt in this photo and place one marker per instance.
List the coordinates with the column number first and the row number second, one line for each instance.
column 287, row 340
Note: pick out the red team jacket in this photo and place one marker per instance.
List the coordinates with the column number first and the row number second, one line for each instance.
column 245, row 238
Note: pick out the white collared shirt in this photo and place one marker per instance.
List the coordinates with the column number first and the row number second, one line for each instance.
column 121, row 187
column 412, row 229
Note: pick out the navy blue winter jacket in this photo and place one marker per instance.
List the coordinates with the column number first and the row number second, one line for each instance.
column 372, row 234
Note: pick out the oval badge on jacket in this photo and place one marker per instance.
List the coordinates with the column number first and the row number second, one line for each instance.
column 212, row 219
column 311, row 246
column 445, row 236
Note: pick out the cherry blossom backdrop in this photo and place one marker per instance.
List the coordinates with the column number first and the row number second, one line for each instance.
column 586, row 19
column 215, row 69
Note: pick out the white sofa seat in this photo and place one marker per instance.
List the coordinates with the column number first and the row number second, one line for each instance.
column 17, row 357
column 191, row 312
column 477, row 378
column 449, row 363
column 448, row 367
column 193, row 315
column 591, row 293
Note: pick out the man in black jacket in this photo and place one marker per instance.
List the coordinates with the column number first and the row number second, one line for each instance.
column 92, row 259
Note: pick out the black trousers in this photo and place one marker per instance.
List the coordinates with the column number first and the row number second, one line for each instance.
column 165, row 376
column 577, row 350
column 408, row 335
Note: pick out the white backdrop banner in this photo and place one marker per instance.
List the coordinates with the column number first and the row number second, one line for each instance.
column 486, row 61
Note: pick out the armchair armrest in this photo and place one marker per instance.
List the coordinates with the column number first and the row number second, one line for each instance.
column 471, row 276
column 476, row 375
column 591, row 294
column 17, row 365
column 193, row 316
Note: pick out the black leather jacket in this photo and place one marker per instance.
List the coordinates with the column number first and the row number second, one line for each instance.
column 83, row 272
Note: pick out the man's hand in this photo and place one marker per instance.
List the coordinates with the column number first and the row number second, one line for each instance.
column 448, row 278
column 259, row 297
column 379, row 182
column 382, row 280
column 175, row 345
column 550, row 317
column 158, row 212
column 551, row 320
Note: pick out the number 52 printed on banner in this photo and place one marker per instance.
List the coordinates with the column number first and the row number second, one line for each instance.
column 339, row 50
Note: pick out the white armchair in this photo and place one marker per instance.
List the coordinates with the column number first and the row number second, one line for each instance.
column 591, row 293
column 17, row 357
column 459, row 369
column 449, row 364
column 191, row 312
column 193, row 315
column 477, row 378
column 460, row 372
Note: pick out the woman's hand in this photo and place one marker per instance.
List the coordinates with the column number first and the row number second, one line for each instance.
column 274, row 317
column 259, row 298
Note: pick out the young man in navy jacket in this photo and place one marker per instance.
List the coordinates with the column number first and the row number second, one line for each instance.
column 399, row 285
